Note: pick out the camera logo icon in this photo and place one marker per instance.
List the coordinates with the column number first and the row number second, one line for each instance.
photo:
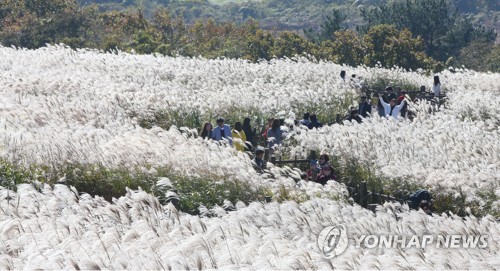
column 333, row 241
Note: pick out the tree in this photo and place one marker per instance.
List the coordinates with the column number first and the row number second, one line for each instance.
column 375, row 40
column 259, row 46
column 438, row 22
column 34, row 23
column 386, row 45
column 480, row 56
column 172, row 32
column 289, row 44
column 331, row 25
column 347, row 48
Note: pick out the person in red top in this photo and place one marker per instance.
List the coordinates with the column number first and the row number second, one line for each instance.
column 401, row 97
column 269, row 125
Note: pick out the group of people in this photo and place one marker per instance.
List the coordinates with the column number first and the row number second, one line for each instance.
column 387, row 104
column 244, row 137
column 321, row 171
column 310, row 121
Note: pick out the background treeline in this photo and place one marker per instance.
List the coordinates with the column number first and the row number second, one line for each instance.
column 428, row 34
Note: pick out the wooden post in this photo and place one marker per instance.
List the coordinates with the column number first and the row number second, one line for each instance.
column 312, row 155
column 337, row 118
column 273, row 159
column 373, row 207
column 363, row 194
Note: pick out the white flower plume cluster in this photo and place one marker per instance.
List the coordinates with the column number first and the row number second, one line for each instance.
column 56, row 229
column 440, row 151
column 59, row 106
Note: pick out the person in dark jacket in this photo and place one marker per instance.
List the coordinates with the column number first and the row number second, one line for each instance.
column 353, row 115
column 325, row 174
column 390, row 94
column 365, row 108
column 325, row 170
column 305, row 120
column 258, row 162
column 250, row 133
column 405, row 106
column 314, row 122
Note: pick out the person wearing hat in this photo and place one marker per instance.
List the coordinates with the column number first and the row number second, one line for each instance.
column 258, row 162
column 222, row 131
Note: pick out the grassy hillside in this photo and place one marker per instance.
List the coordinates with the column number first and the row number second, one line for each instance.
column 71, row 135
column 286, row 15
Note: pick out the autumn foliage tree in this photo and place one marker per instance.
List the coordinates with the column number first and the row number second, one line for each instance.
column 34, row 23
column 389, row 47
column 348, row 48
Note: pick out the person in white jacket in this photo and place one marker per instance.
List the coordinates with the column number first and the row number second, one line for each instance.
column 436, row 87
column 391, row 109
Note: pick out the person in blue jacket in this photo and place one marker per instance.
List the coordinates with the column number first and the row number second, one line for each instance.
column 222, row 131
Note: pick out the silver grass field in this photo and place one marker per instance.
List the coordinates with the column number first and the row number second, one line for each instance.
column 60, row 106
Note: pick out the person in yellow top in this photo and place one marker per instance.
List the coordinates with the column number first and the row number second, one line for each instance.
column 239, row 137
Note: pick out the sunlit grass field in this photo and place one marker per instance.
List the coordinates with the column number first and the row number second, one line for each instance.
column 100, row 156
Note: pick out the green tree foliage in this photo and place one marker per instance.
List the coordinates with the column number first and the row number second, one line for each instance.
column 386, row 45
column 438, row 22
column 332, row 24
column 480, row 56
column 289, row 44
column 259, row 46
column 171, row 31
column 348, row 48
column 33, row 23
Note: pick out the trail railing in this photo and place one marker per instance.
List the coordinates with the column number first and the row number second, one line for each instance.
column 361, row 194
